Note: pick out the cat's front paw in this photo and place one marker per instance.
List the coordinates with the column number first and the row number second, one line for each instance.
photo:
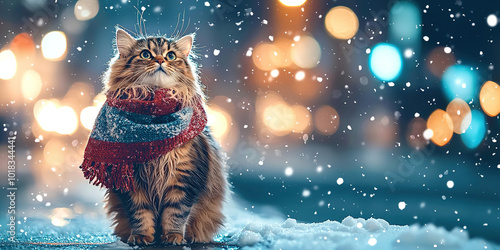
column 140, row 240
column 173, row 238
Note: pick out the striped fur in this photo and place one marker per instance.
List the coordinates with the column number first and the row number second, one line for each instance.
column 178, row 196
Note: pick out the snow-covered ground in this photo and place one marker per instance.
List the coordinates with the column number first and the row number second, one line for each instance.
column 251, row 231
column 352, row 233
column 266, row 229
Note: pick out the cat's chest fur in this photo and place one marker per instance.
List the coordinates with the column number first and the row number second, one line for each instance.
column 156, row 176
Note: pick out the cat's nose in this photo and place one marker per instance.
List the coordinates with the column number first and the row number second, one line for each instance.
column 159, row 59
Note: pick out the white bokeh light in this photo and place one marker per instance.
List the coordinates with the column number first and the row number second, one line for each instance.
column 8, row 65
column 86, row 9
column 54, row 45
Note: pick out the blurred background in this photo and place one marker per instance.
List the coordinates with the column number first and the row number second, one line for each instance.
column 386, row 109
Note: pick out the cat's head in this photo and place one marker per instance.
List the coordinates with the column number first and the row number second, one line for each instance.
column 144, row 64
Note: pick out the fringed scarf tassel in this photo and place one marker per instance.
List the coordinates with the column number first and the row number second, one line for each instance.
column 109, row 175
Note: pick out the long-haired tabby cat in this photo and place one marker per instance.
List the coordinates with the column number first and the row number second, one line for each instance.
column 178, row 197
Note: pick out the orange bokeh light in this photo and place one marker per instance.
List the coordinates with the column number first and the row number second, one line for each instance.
column 441, row 125
column 459, row 112
column 326, row 120
column 302, row 119
column 264, row 56
column 489, row 97
column 341, row 22
column 293, row 3
column 23, row 44
column 279, row 118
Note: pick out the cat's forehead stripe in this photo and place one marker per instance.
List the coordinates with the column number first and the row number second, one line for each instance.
column 159, row 41
column 151, row 44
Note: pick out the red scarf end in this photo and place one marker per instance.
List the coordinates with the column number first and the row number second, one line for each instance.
column 109, row 175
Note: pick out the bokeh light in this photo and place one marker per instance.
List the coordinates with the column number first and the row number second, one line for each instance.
column 88, row 116
column 54, row 45
column 51, row 117
column 438, row 61
column 8, row 65
column 31, row 84
column 279, row 118
column 263, row 54
column 54, row 152
column 86, row 9
column 23, row 44
column 441, row 125
column 326, row 120
column 306, row 53
column 341, row 22
column 302, row 119
column 45, row 112
column 385, row 62
column 415, row 131
column 67, row 121
column 219, row 122
column 475, row 133
column 460, row 82
column 281, row 55
column 381, row 132
column 489, row 97
column 293, row 3
column 459, row 112
column 405, row 21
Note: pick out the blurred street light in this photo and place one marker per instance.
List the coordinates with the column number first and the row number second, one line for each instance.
column 459, row 112
column 385, row 62
column 293, row 3
column 341, row 23
column 86, row 9
column 441, row 125
column 31, row 84
column 489, row 97
column 8, row 64
column 54, row 45
column 475, row 133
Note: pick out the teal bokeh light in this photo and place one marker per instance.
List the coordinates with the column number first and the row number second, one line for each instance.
column 385, row 62
column 460, row 82
column 474, row 134
column 405, row 22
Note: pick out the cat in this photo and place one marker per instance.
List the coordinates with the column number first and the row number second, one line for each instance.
column 178, row 197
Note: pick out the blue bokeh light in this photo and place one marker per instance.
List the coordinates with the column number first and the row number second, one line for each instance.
column 474, row 134
column 460, row 82
column 405, row 22
column 385, row 62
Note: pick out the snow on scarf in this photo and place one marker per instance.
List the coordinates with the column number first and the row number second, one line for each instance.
column 135, row 131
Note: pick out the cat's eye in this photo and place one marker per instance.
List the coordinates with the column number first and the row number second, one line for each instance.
column 146, row 54
column 171, row 56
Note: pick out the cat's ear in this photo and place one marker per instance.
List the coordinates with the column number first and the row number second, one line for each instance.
column 185, row 44
column 124, row 42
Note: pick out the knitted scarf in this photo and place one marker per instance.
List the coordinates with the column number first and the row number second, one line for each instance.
column 129, row 131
